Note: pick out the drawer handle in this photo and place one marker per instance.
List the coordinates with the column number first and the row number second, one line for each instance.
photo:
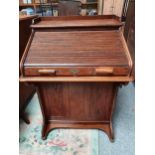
column 47, row 71
column 104, row 71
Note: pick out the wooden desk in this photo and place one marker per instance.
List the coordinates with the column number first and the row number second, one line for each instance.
column 129, row 31
column 25, row 92
column 24, row 31
column 77, row 65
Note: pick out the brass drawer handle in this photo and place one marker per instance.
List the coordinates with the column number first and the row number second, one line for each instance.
column 104, row 70
column 47, row 71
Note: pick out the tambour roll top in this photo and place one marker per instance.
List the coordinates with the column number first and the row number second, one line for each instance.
column 76, row 46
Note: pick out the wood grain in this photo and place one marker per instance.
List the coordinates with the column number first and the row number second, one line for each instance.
column 27, row 18
column 129, row 32
column 74, row 104
column 77, row 65
column 77, row 21
column 25, row 91
column 78, row 79
column 106, row 127
column 74, row 71
column 73, row 49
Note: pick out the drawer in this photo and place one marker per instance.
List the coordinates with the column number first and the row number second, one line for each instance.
column 75, row 71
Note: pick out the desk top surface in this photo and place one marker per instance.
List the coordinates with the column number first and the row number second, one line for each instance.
column 77, row 21
column 26, row 17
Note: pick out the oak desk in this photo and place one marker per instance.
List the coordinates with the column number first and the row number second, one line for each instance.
column 25, row 92
column 77, row 64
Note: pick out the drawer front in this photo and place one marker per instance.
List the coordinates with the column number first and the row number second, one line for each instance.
column 89, row 71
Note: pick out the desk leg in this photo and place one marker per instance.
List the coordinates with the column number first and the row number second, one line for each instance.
column 25, row 118
column 26, row 93
column 107, row 128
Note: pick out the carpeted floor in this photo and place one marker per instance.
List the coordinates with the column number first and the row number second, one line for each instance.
column 81, row 142
column 123, row 123
column 59, row 141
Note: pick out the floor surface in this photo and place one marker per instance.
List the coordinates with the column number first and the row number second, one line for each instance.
column 123, row 124
column 87, row 142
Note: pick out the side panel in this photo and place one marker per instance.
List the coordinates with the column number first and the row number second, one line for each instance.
column 77, row 101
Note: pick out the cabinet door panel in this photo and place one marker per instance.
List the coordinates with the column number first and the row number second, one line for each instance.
column 108, row 7
column 113, row 7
